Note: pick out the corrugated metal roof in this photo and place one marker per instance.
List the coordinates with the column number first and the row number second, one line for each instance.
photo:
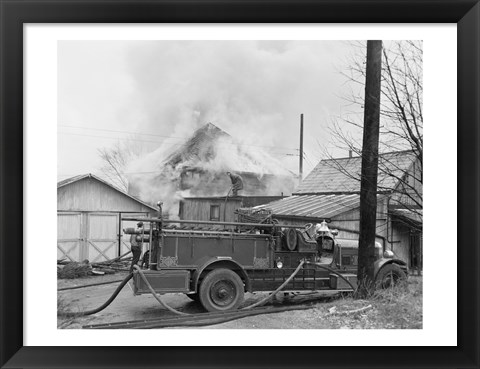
column 315, row 206
column 412, row 215
column 70, row 180
column 343, row 175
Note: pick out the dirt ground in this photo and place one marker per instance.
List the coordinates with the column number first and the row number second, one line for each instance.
column 395, row 309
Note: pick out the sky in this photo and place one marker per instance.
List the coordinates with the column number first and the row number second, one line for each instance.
column 156, row 93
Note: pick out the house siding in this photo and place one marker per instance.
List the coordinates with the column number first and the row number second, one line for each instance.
column 89, row 194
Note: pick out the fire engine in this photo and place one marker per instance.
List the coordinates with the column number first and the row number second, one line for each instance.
column 217, row 266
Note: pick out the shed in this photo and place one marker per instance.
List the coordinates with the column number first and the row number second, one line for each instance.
column 218, row 208
column 89, row 212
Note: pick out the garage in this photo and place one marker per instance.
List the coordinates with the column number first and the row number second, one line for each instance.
column 89, row 212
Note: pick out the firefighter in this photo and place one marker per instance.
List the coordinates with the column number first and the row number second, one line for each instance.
column 146, row 260
column 136, row 244
column 237, row 183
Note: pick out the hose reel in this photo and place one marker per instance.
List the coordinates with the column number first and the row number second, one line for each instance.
column 291, row 238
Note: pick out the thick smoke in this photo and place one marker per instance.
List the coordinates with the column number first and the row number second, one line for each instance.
column 254, row 90
column 200, row 170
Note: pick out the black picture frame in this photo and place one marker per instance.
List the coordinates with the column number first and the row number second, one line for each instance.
column 14, row 14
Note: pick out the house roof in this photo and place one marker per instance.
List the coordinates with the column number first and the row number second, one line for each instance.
column 343, row 175
column 211, row 148
column 313, row 206
column 74, row 179
column 411, row 217
column 199, row 147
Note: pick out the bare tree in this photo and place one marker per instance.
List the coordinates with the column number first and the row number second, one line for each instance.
column 401, row 125
column 115, row 160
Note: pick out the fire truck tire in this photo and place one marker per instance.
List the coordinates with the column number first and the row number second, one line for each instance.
column 389, row 275
column 291, row 238
column 193, row 296
column 221, row 290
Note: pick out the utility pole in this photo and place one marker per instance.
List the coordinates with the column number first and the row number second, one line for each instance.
column 368, row 184
column 300, row 171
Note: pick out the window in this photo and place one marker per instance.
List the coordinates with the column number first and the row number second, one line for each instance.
column 180, row 209
column 214, row 212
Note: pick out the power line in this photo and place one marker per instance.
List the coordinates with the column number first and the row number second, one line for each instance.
column 308, row 160
column 167, row 143
column 118, row 138
column 156, row 135
column 127, row 132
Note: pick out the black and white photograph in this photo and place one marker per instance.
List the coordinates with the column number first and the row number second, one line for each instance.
column 240, row 184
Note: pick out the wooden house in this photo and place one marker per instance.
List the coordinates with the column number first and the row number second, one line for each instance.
column 332, row 192
column 89, row 211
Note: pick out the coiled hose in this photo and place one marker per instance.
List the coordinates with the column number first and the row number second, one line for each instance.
column 100, row 308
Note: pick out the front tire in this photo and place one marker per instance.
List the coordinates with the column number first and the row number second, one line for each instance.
column 390, row 275
column 221, row 290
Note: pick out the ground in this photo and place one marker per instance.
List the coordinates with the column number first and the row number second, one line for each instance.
column 398, row 308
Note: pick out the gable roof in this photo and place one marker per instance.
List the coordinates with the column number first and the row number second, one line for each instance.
column 74, row 179
column 213, row 149
column 343, row 175
column 199, row 147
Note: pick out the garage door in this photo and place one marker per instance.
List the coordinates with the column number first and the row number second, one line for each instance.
column 69, row 237
column 102, row 236
column 92, row 236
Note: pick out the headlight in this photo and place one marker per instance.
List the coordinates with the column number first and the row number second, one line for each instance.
column 387, row 254
column 279, row 264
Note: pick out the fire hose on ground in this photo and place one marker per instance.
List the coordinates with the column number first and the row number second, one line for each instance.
column 162, row 303
column 100, row 308
column 259, row 303
column 177, row 312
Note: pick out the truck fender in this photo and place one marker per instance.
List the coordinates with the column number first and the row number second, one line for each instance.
column 220, row 261
column 382, row 262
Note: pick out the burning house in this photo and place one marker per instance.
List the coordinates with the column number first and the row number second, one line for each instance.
column 194, row 174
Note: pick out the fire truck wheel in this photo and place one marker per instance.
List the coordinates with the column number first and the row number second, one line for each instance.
column 193, row 296
column 221, row 290
column 389, row 276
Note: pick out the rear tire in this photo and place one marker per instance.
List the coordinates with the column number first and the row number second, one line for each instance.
column 221, row 290
column 389, row 276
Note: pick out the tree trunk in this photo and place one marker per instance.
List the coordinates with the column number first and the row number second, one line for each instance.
column 368, row 185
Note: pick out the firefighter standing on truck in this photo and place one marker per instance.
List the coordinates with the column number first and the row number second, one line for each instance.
column 136, row 244
column 237, row 183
